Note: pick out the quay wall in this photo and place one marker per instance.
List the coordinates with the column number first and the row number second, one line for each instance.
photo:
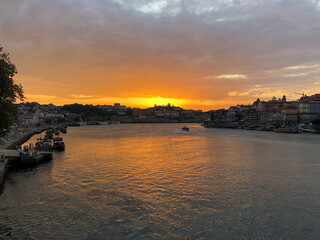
column 17, row 162
column 25, row 138
column 3, row 172
column 14, row 163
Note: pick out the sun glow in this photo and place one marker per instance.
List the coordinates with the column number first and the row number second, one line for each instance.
column 149, row 102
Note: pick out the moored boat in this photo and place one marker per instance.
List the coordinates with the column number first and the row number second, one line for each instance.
column 73, row 125
column 314, row 131
column 44, row 144
column 185, row 129
column 286, row 130
column 58, row 144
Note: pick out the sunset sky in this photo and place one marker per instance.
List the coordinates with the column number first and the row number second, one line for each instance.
column 201, row 54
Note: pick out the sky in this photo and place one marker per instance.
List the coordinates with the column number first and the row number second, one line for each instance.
column 200, row 54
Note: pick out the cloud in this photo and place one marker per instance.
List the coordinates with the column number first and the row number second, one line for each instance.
column 259, row 92
column 301, row 67
column 296, row 75
column 126, row 49
column 81, row 96
column 232, row 76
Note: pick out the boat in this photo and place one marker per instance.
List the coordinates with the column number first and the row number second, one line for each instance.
column 286, row 130
column 103, row 123
column 44, row 144
column 269, row 128
column 310, row 130
column 185, row 129
column 108, row 122
column 58, row 144
column 73, row 125
column 49, row 134
column 252, row 127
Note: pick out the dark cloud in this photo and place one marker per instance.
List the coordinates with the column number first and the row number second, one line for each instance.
column 173, row 49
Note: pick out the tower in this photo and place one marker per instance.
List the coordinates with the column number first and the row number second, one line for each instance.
column 37, row 113
column 284, row 99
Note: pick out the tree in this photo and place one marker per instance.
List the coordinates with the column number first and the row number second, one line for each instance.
column 316, row 123
column 9, row 92
column 60, row 120
column 48, row 121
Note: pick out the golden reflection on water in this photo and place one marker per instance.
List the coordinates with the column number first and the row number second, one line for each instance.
column 153, row 181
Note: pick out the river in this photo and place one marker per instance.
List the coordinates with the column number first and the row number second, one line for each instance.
column 153, row 181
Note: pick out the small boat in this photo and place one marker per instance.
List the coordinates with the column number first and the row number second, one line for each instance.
column 58, row 144
column 185, row 129
column 82, row 123
column 269, row 128
column 311, row 130
column 252, row 127
column 73, row 125
column 103, row 123
column 44, row 144
column 108, row 122
column 286, row 130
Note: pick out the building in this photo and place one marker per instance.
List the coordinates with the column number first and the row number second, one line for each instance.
column 308, row 111
column 309, row 108
column 289, row 114
column 28, row 119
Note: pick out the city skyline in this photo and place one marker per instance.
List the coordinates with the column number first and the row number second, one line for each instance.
column 195, row 54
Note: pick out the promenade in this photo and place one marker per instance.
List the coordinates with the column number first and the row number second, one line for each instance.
column 12, row 159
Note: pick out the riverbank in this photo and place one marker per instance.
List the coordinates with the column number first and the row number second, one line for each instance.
column 19, row 136
column 7, row 148
column 3, row 172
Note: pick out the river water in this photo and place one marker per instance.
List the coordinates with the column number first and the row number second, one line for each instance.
column 153, row 181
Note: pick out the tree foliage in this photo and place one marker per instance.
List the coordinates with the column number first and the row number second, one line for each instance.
column 86, row 110
column 316, row 123
column 9, row 92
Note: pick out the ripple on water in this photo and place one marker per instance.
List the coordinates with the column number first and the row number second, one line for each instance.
column 154, row 182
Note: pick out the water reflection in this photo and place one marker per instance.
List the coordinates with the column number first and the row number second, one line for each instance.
column 156, row 182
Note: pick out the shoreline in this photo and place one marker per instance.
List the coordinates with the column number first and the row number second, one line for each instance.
column 19, row 137
column 24, row 139
column 8, row 149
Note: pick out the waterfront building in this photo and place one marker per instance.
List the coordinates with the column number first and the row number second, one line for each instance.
column 116, row 106
column 309, row 108
column 220, row 117
column 232, row 114
column 253, row 116
column 289, row 114
column 28, row 119
column 308, row 111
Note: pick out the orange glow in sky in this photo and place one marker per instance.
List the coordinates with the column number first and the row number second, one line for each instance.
column 194, row 54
